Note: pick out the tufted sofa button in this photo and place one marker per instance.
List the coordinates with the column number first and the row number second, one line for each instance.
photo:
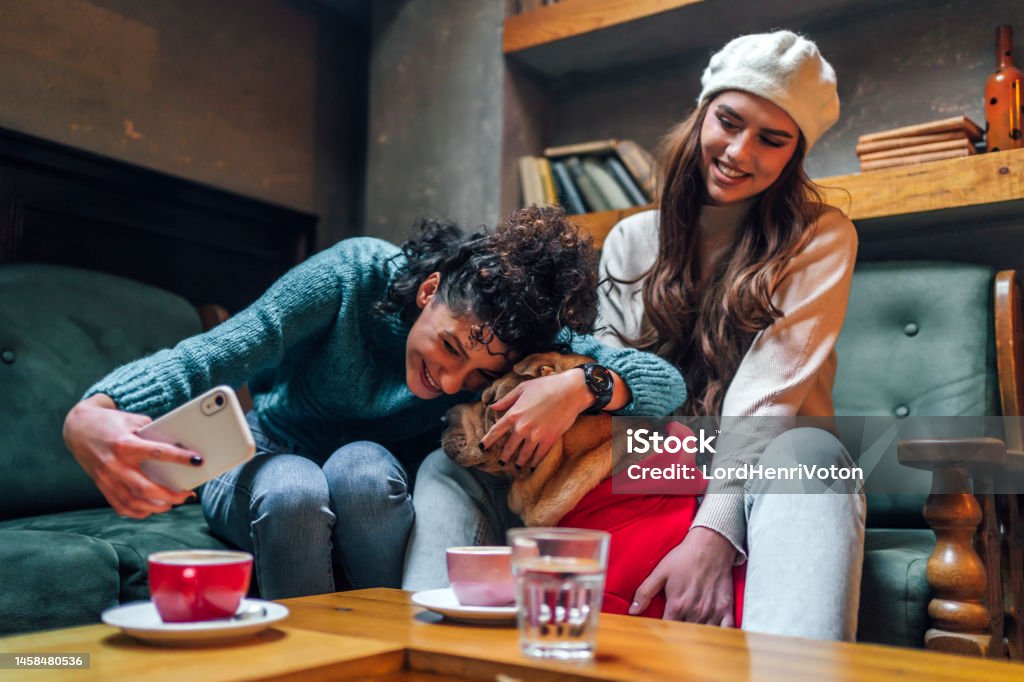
column 910, row 329
column 901, row 411
column 7, row 355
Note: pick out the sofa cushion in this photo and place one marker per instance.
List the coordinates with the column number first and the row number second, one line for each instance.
column 61, row 330
column 53, row 579
column 894, row 588
column 918, row 340
column 129, row 540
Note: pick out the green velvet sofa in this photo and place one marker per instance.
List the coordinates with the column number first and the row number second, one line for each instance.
column 65, row 556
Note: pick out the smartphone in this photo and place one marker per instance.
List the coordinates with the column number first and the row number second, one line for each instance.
column 213, row 425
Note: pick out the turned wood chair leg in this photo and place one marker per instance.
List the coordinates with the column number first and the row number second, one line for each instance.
column 956, row 574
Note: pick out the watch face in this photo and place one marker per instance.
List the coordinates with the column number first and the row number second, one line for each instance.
column 600, row 379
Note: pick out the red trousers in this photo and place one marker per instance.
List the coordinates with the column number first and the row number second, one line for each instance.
column 644, row 528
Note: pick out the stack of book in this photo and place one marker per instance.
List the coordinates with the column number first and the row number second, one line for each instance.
column 949, row 138
column 603, row 175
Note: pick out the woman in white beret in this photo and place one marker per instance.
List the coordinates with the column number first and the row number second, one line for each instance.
column 740, row 278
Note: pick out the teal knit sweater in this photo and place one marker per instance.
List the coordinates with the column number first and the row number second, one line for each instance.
column 331, row 370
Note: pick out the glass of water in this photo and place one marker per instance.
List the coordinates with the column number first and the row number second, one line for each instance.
column 559, row 583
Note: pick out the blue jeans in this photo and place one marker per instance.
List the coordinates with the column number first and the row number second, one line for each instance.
column 805, row 550
column 307, row 520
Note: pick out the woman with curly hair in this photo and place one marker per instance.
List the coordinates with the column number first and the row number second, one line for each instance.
column 741, row 279
column 350, row 355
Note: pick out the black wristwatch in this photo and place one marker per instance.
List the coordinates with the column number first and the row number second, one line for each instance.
column 599, row 381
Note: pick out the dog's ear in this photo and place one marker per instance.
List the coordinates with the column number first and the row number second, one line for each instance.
column 500, row 387
column 543, row 364
column 536, row 365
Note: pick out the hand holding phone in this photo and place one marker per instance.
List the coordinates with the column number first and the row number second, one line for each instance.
column 213, row 425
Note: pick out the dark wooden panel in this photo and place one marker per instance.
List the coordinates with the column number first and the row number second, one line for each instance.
column 68, row 207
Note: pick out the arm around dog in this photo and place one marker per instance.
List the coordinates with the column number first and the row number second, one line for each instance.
column 538, row 412
column 655, row 386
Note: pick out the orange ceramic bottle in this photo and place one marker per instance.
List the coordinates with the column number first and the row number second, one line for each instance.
column 1003, row 97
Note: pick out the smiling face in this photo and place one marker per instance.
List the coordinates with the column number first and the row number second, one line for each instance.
column 442, row 354
column 746, row 142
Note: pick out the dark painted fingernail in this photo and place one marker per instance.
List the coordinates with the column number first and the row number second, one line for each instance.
column 196, row 460
column 518, row 467
column 481, row 445
column 501, row 462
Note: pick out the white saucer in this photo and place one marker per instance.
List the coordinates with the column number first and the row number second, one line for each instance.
column 443, row 601
column 140, row 619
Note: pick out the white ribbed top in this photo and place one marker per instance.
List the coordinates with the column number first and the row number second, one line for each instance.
column 790, row 366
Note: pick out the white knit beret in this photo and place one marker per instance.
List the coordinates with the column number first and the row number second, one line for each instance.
column 785, row 69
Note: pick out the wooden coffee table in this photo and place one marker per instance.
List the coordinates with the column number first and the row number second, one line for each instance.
column 381, row 635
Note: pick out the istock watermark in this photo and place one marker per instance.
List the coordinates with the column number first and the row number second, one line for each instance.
column 883, row 455
column 646, row 441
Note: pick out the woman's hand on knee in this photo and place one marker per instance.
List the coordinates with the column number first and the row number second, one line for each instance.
column 538, row 412
column 104, row 442
column 696, row 577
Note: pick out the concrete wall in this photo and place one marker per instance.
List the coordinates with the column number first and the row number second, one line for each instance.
column 434, row 140
column 269, row 97
column 264, row 97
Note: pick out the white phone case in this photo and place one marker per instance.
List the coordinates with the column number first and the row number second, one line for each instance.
column 213, row 425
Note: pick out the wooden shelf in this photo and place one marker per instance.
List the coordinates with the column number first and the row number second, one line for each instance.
column 938, row 185
column 984, row 183
column 569, row 19
column 601, row 223
column 589, row 36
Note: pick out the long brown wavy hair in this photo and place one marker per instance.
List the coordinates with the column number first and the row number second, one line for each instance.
column 705, row 328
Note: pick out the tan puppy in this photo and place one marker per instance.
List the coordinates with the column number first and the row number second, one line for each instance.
column 571, row 468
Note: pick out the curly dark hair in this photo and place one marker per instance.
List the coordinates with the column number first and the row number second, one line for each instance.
column 535, row 274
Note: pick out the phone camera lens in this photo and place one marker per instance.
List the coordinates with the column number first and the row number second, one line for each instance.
column 219, row 400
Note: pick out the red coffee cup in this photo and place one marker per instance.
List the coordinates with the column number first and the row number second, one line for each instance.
column 194, row 585
column 481, row 576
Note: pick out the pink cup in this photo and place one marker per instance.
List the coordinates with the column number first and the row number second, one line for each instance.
column 195, row 585
column 482, row 576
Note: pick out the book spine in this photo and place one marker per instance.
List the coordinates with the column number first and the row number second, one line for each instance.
column 640, row 164
column 529, row 178
column 909, row 141
column 614, row 195
column 547, row 181
column 636, row 195
column 962, row 143
column 591, row 195
column 570, row 196
column 911, row 160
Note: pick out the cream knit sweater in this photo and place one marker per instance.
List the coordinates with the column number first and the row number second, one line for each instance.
column 790, row 366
